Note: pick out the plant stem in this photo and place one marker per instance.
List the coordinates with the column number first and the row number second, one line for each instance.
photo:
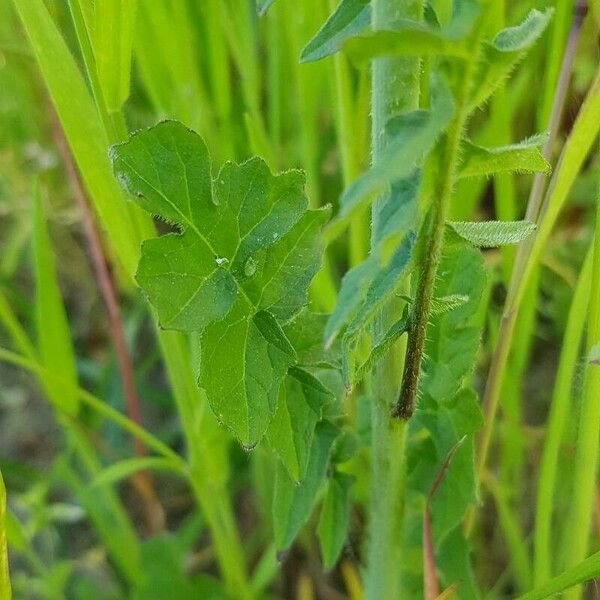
column 395, row 89
column 559, row 416
column 405, row 405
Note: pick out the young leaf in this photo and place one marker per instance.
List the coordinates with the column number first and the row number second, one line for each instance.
column 293, row 503
column 382, row 346
column 410, row 136
column 247, row 250
column 489, row 234
column 440, row 306
column 524, row 157
column 53, row 333
column 410, row 38
column 5, row 591
column 504, row 52
column 373, row 282
column 114, row 25
column 347, row 20
column 299, row 409
column 333, row 522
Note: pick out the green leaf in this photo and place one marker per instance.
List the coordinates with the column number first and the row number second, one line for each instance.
column 305, row 333
column 410, row 136
column 504, row 52
column 5, row 591
column 370, row 284
column 263, row 5
column 293, row 503
column 348, row 19
column 524, row 157
column 53, row 334
column 333, row 522
column 409, row 38
column 586, row 570
column 299, row 409
column 489, row 234
column 382, row 346
column 447, row 411
column 241, row 264
column 444, row 304
column 114, row 26
column 125, row 468
column 164, row 577
column 84, row 132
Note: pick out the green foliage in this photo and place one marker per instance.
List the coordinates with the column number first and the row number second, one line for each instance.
column 54, row 336
column 333, row 522
column 504, row 52
column 114, row 25
column 240, row 267
column 5, row 591
column 489, row 234
column 349, row 18
column 293, row 502
column 523, row 157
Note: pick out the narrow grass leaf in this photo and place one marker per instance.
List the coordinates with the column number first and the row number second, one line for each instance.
column 125, row 468
column 332, row 529
column 348, row 19
column 114, row 24
column 586, row 570
column 524, row 157
column 5, row 589
column 84, row 131
column 263, row 5
column 490, row 234
column 54, row 343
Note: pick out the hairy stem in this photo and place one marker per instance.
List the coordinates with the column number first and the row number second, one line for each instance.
column 405, row 405
column 395, row 90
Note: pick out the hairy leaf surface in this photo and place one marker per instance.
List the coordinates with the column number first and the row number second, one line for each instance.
column 524, row 157
column 489, row 234
column 504, row 52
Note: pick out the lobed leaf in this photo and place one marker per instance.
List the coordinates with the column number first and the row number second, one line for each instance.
column 348, row 19
column 246, row 251
column 524, row 157
column 333, row 522
column 489, row 234
column 504, row 52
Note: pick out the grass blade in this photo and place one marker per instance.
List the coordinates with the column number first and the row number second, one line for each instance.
column 5, row 591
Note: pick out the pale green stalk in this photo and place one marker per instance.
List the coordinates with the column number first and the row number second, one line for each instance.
column 586, row 459
column 579, row 143
column 395, row 89
column 557, row 421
